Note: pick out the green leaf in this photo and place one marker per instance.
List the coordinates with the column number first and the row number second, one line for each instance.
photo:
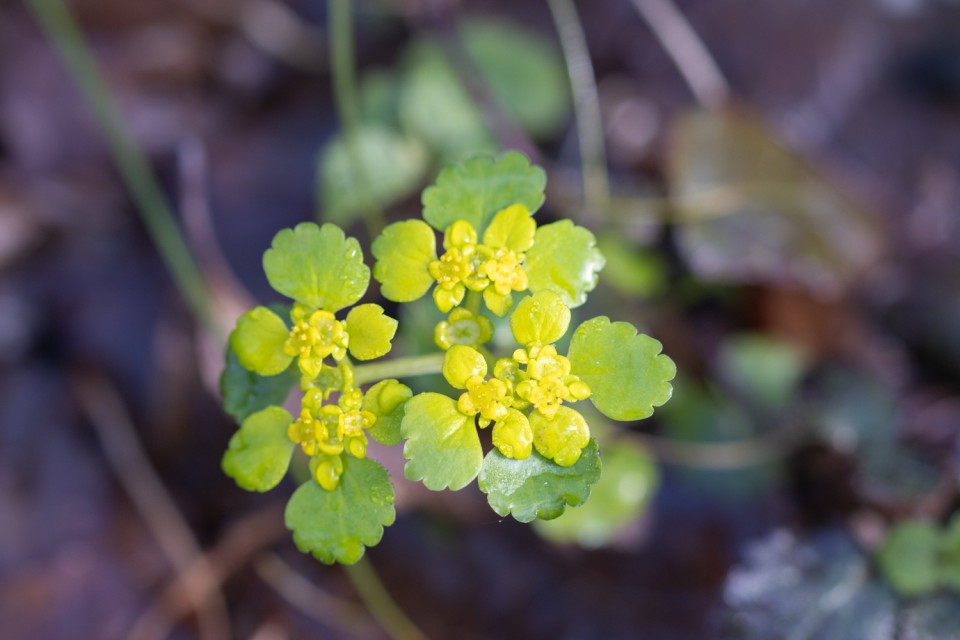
column 386, row 400
column 630, row 478
column 762, row 368
column 443, row 448
column 370, row 331
column 564, row 259
column 536, row 487
column 524, row 71
column 626, row 373
column 541, row 318
column 404, row 252
column 950, row 555
column 258, row 342
column 633, row 271
column 337, row 526
column 475, row 190
column 908, row 558
column 245, row 392
column 390, row 167
column 259, row 453
column 436, row 108
column 317, row 266
column 753, row 210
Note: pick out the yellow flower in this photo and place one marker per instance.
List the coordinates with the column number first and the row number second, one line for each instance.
column 314, row 337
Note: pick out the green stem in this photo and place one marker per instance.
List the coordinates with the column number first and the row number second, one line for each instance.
column 473, row 301
column 152, row 205
column 381, row 606
column 343, row 67
column 399, row 368
column 586, row 103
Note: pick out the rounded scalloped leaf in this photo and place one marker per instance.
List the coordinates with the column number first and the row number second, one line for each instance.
column 259, row 453
column 626, row 373
column 404, row 252
column 536, row 487
column 370, row 331
column 258, row 342
column 564, row 259
column 541, row 318
column 317, row 266
column 443, row 448
column 475, row 190
column 622, row 495
column 338, row 525
column 386, row 400
column 909, row 558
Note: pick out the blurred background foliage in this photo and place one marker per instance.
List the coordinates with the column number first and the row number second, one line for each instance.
column 774, row 185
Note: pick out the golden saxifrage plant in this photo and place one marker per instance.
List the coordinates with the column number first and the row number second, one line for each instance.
column 494, row 262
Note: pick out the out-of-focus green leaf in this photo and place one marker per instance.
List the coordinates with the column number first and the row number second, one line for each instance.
column 245, row 392
column 632, row 271
column 393, row 167
column 762, row 368
column 338, row 525
column 620, row 497
column 536, row 487
column 379, row 93
column 524, row 71
column 751, row 210
column 436, row 108
column 908, row 558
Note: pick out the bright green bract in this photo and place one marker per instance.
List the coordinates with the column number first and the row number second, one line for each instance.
column 626, row 373
column 403, row 252
column 564, row 259
column 370, row 331
column 259, row 453
column 542, row 318
column 536, row 487
column 386, row 400
column 338, row 525
column 443, row 448
column 258, row 342
column 475, row 190
column 317, row 266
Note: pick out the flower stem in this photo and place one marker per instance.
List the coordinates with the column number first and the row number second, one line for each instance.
column 152, row 204
column 343, row 67
column 387, row 612
column 399, row 368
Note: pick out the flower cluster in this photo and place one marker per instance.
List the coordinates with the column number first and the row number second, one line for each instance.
column 524, row 397
column 496, row 264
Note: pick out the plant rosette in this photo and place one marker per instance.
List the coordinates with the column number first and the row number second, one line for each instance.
column 495, row 258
